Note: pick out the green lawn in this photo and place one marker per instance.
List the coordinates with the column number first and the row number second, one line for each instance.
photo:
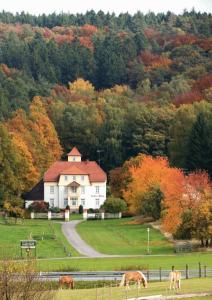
column 119, row 293
column 50, row 240
column 118, row 237
column 124, row 263
column 75, row 216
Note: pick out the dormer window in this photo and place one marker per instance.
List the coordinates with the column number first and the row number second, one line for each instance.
column 74, row 177
column 66, row 177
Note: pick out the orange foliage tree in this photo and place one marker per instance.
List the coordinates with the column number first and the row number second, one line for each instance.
column 153, row 61
column 152, row 172
column 35, row 139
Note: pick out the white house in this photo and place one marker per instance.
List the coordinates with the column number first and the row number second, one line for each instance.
column 74, row 182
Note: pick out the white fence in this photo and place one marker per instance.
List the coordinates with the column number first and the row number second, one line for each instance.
column 101, row 216
column 50, row 215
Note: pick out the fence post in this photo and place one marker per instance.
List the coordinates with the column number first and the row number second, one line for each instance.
column 186, row 271
column 67, row 215
column 200, row 271
column 160, row 274
column 205, row 271
column 147, row 275
column 85, row 215
column 49, row 215
column 102, row 215
column 32, row 215
column 120, row 215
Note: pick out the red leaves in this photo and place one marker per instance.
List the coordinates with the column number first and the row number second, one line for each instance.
column 153, row 61
column 188, row 98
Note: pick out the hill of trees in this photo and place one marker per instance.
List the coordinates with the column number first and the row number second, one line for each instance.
column 120, row 84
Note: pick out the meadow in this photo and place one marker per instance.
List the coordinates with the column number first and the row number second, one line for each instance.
column 154, row 288
column 120, row 236
column 50, row 240
column 126, row 263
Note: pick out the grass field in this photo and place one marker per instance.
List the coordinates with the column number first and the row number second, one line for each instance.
column 119, row 293
column 124, row 263
column 119, row 237
column 50, row 240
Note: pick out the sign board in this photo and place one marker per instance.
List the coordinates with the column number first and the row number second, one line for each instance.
column 28, row 244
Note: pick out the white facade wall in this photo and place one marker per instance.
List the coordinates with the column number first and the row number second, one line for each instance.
column 92, row 198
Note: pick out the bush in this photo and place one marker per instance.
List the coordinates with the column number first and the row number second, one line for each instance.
column 93, row 211
column 55, row 209
column 39, row 207
column 127, row 214
column 67, row 207
column 114, row 205
column 80, row 209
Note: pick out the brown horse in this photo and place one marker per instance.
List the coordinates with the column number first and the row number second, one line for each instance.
column 136, row 276
column 175, row 278
column 67, row 280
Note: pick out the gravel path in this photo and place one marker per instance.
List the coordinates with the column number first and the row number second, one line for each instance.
column 69, row 230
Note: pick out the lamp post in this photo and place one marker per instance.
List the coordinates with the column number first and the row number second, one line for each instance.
column 148, row 240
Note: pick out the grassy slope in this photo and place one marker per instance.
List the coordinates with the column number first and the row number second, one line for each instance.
column 118, row 237
column 48, row 247
column 153, row 262
column 155, row 288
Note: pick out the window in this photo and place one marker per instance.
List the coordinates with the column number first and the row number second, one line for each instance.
column 97, row 202
column 82, row 190
column 74, row 177
column 74, row 201
column 97, row 189
column 65, row 202
column 65, row 190
column 74, row 189
column 82, row 177
column 74, row 158
column 51, row 202
column 66, row 177
column 83, row 202
column 51, row 189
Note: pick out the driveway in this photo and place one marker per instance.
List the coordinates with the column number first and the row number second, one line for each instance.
column 69, row 230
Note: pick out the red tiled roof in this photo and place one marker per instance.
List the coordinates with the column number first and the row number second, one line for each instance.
column 90, row 168
column 74, row 152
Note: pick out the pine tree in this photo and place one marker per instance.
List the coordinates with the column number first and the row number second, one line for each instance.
column 200, row 147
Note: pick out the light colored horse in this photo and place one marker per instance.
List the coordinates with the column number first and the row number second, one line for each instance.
column 136, row 276
column 175, row 278
column 66, row 280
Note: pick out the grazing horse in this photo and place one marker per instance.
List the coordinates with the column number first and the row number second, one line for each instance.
column 175, row 277
column 67, row 280
column 136, row 276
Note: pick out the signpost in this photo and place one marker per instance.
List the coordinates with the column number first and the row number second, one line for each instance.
column 28, row 245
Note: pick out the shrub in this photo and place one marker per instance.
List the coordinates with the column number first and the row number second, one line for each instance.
column 55, row 209
column 114, row 205
column 80, row 209
column 39, row 207
column 67, row 207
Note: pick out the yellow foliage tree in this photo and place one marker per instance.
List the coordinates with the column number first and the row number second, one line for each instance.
column 81, row 86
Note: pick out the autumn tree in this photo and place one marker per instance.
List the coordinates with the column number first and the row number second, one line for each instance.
column 156, row 172
column 9, row 167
